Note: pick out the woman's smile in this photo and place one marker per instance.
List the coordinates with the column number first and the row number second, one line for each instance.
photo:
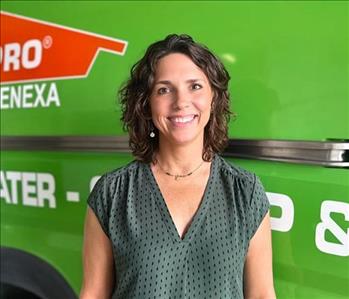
column 182, row 121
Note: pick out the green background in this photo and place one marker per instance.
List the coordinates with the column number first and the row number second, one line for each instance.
column 290, row 69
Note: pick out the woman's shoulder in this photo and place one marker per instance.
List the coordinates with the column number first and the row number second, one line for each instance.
column 119, row 180
column 248, row 185
column 123, row 172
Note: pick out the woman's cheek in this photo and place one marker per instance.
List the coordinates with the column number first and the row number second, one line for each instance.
column 203, row 103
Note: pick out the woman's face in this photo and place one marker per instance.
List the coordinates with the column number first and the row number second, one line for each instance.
column 180, row 100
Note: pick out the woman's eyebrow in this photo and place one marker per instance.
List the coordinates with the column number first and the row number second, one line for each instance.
column 168, row 82
column 194, row 80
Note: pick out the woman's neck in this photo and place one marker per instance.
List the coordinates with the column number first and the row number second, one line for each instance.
column 179, row 159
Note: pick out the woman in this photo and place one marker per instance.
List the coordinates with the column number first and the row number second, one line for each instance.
column 179, row 221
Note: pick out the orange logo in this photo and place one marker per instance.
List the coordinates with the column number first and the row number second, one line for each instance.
column 34, row 50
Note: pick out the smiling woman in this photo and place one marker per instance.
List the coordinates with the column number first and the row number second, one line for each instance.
column 179, row 221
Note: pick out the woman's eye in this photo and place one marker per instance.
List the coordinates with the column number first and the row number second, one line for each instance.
column 163, row 90
column 196, row 86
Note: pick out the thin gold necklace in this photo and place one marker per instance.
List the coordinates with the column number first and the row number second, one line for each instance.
column 176, row 176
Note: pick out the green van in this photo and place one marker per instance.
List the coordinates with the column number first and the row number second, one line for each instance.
column 62, row 63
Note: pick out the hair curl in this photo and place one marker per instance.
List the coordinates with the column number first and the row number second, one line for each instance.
column 135, row 93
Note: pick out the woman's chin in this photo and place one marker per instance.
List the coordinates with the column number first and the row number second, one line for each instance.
column 183, row 139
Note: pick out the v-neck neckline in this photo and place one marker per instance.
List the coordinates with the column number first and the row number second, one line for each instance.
column 199, row 214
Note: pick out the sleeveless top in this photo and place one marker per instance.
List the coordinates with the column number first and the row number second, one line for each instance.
column 151, row 260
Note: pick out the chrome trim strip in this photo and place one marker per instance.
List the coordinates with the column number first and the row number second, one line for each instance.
column 324, row 153
column 65, row 143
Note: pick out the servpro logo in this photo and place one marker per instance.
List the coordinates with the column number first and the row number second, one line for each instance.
column 17, row 56
column 32, row 51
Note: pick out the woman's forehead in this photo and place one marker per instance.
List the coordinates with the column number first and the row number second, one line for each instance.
column 177, row 65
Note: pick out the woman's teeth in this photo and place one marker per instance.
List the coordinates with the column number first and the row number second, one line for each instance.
column 184, row 119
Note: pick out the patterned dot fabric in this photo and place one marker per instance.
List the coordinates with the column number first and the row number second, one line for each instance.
column 151, row 260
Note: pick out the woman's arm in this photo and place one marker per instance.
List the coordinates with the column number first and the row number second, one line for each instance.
column 98, row 262
column 258, row 271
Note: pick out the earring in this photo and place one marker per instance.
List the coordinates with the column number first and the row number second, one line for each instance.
column 152, row 134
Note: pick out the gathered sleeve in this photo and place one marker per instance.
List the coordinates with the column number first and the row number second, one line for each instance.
column 98, row 201
column 258, row 207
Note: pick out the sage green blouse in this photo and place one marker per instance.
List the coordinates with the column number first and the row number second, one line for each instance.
column 151, row 260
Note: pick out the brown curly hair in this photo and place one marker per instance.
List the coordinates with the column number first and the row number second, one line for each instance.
column 134, row 97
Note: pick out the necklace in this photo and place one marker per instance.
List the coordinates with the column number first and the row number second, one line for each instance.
column 176, row 176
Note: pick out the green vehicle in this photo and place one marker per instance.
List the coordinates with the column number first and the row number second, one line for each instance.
column 62, row 64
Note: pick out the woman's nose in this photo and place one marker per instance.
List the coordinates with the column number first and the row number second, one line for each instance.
column 181, row 99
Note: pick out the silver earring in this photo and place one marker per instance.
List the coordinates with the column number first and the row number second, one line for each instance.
column 152, row 134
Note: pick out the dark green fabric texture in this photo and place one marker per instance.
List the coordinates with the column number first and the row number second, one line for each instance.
column 151, row 260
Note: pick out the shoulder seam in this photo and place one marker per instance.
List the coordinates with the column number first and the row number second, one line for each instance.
column 120, row 171
column 237, row 171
